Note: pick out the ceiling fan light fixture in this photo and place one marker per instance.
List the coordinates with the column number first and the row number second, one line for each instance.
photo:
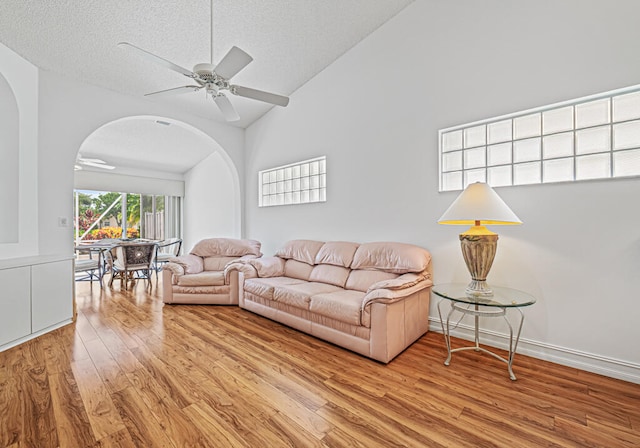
column 204, row 69
column 214, row 78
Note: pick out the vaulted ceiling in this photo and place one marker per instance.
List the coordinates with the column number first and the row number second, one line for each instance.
column 290, row 41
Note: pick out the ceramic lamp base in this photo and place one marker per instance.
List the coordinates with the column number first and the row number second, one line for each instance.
column 478, row 251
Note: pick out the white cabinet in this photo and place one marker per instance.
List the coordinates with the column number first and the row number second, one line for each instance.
column 51, row 294
column 15, row 304
column 36, row 296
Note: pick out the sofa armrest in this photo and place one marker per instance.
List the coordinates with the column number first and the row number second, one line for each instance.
column 268, row 266
column 256, row 267
column 239, row 266
column 389, row 291
column 396, row 284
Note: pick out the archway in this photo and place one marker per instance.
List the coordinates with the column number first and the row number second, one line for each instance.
column 153, row 154
column 9, row 163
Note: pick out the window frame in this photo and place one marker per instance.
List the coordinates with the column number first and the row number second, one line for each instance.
column 296, row 183
column 465, row 151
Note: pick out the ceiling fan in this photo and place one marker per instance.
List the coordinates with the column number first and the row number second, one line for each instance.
column 214, row 79
column 95, row 163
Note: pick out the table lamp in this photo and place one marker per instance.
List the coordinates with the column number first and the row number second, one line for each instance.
column 478, row 205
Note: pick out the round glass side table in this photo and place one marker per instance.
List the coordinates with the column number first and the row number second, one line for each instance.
column 503, row 299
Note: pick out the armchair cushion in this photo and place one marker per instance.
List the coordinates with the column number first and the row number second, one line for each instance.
column 228, row 247
column 206, row 278
column 217, row 263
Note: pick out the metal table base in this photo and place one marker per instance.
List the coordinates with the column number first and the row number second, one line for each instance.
column 478, row 311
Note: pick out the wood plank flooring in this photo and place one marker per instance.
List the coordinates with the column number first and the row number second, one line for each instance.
column 132, row 372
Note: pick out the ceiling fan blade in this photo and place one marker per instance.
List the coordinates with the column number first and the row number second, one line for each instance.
column 98, row 165
column 174, row 91
column 158, row 60
column 226, row 108
column 259, row 95
column 86, row 159
column 232, row 62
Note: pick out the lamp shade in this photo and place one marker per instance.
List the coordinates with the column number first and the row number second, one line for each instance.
column 479, row 202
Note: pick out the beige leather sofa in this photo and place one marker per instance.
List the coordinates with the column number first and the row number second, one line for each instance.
column 371, row 298
column 198, row 278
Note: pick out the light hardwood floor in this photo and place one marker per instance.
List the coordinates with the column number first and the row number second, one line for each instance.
column 134, row 373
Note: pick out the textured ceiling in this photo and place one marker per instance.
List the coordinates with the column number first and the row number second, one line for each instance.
column 290, row 41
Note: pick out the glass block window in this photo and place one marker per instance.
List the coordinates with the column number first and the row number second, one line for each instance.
column 596, row 137
column 297, row 183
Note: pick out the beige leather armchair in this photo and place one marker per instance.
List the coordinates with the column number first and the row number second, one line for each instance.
column 198, row 278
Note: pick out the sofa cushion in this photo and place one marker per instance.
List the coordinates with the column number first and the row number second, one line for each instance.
column 361, row 280
column 300, row 250
column 344, row 306
column 217, row 263
column 297, row 269
column 326, row 273
column 398, row 258
column 263, row 287
column 228, row 247
column 299, row 295
column 206, row 278
column 338, row 253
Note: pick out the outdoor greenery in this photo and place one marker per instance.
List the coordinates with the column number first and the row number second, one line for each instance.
column 111, row 232
column 91, row 207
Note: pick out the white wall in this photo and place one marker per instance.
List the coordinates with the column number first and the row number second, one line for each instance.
column 376, row 112
column 211, row 205
column 21, row 76
column 69, row 112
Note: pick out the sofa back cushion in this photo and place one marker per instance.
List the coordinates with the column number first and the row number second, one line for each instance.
column 337, row 253
column 300, row 250
column 297, row 269
column 217, row 263
column 226, row 247
column 332, row 275
column 397, row 258
column 361, row 279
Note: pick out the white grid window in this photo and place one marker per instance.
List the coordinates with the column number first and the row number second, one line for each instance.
column 297, row 183
column 596, row 137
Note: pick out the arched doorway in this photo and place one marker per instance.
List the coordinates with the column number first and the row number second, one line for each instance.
column 155, row 155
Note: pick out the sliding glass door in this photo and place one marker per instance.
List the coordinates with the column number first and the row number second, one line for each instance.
column 102, row 214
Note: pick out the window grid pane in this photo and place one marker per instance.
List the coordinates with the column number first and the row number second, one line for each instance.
column 298, row 183
column 588, row 138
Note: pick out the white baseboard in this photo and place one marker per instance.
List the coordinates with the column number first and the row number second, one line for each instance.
column 589, row 362
column 30, row 336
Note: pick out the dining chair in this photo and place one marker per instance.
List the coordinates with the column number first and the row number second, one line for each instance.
column 165, row 250
column 88, row 269
column 131, row 261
